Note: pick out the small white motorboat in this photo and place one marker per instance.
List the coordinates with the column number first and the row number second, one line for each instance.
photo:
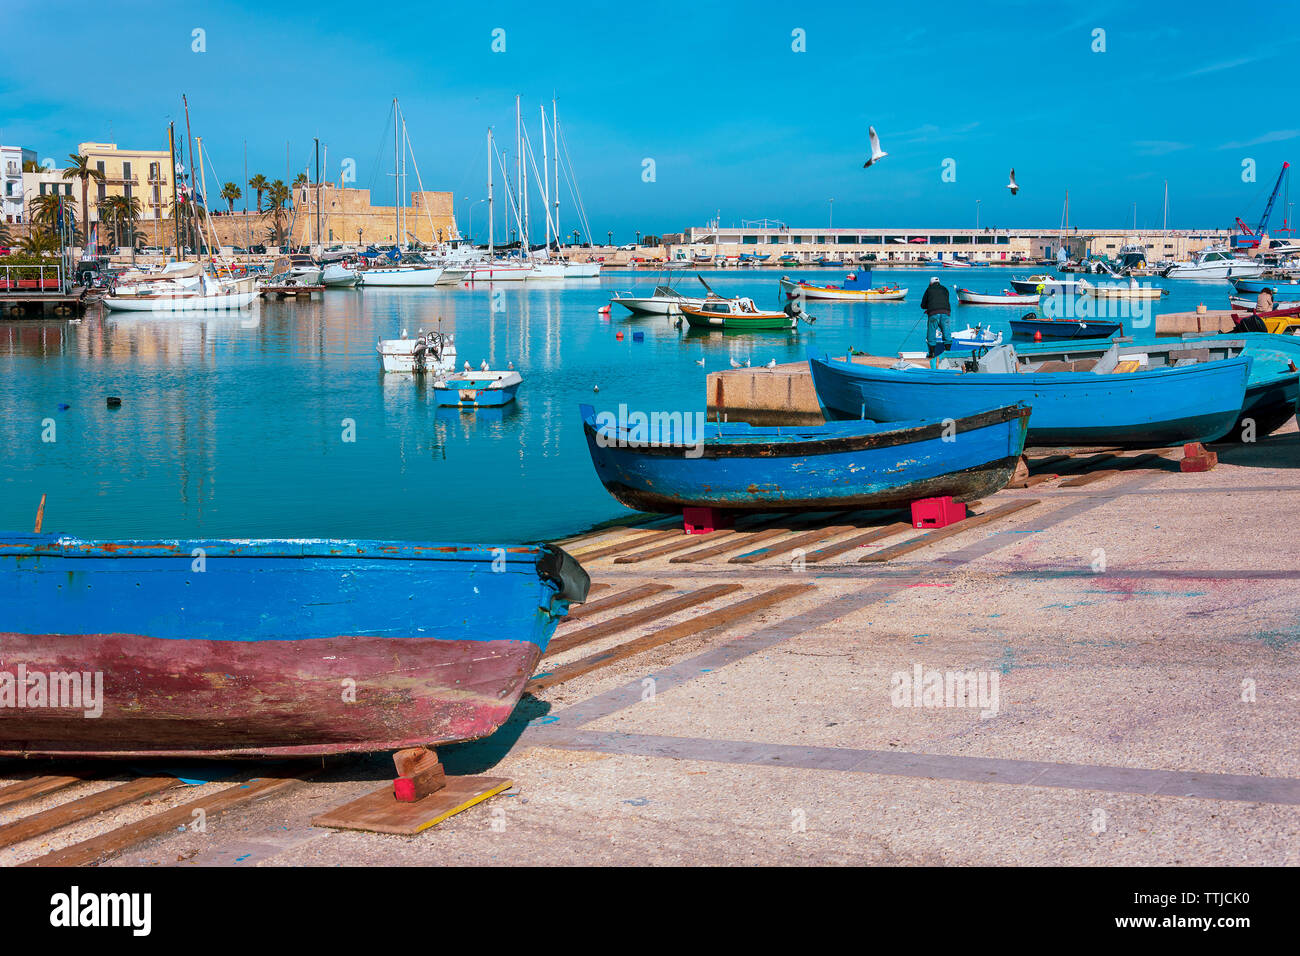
column 427, row 352
column 1005, row 297
column 1132, row 289
column 401, row 276
column 336, row 274
column 978, row 337
column 1044, row 285
column 664, row 301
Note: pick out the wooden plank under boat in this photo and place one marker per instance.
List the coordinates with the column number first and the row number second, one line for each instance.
column 246, row 648
column 1199, row 401
column 840, row 464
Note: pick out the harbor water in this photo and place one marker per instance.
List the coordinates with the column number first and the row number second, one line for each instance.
column 277, row 421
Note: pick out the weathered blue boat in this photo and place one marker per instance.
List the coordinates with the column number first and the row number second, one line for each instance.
column 1092, row 402
column 258, row 648
column 840, row 464
column 1272, row 391
column 1029, row 325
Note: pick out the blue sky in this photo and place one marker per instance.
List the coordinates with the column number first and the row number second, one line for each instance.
column 734, row 119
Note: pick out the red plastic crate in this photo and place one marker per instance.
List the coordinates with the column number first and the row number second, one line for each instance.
column 937, row 512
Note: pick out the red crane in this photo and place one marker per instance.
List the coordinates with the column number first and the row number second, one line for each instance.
column 1248, row 239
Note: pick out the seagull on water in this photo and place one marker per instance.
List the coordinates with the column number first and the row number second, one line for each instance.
column 877, row 154
column 1012, row 185
column 699, row 361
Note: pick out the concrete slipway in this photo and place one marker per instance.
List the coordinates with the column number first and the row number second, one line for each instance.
column 1125, row 731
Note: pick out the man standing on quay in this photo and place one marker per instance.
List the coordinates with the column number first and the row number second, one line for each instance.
column 937, row 312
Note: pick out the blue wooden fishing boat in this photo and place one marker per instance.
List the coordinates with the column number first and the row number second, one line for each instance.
column 1029, row 325
column 840, row 464
column 1272, row 391
column 258, row 648
column 1282, row 288
column 1090, row 402
column 477, row 389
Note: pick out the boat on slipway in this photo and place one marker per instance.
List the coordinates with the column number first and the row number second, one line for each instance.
column 1272, row 389
column 856, row 287
column 1107, row 400
column 858, row 464
column 247, row 659
column 1005, row 297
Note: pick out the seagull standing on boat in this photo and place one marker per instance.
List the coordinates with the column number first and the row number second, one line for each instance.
column 483, row 367
column 467, row 365
column 1012, row 185
column 877, row 154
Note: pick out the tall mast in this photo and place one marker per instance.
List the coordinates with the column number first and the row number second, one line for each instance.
column 555, row 158
column 522, row 184
column 546, row 182
column 397, row 181
column 324, row 164
column 195, row 209
column 1164, row 227
column 203, row 178
column 176, row 219
column 318, row 242
column 490, row 213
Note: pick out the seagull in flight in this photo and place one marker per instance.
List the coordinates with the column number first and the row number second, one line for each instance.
column 877, row 154
column 1012, row 185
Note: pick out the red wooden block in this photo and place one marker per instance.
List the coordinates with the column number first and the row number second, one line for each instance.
column 702, row 520
column 1199, row 462
column 937, row 512
column 404, row 789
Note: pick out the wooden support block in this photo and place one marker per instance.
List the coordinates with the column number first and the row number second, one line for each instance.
column 930, row 537
column 624, row 544
column 1196, row 457
column 419, row 774
column 1097, row 475
column 36, row 787
column 790, row 544
column 378, row 812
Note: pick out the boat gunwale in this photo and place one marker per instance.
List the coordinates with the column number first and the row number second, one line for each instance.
column 794, row 446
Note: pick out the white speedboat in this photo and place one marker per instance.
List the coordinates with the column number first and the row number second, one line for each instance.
column 665, row 301
column 427, row 352
column 402, row 275
column 336, row 274
column 1005, row 297
column 1214, row 262
column 1132, row 289
column 1045, row 285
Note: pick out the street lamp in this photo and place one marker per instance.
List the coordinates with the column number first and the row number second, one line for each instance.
column 610, row 237
column 638, row 237
column 470, row 223
column 977, row 214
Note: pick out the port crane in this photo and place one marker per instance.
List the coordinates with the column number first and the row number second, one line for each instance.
column 1250, row 240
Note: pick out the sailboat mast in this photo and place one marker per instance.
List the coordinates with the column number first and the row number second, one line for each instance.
column 1164, row 226
column 524, row 243
column 491, row 215
column 555, row 158
column 194, row 209
column 397, row 182
column 546, row 181
column 318, row 242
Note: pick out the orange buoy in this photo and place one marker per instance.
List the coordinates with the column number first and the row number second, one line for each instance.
column 1038, row 335
column 619, row 336
column 603, row 310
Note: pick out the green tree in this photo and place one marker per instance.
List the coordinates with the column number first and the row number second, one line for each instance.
column 81, row 169
column 277, row 198
column 230, row 192
column 260, row 184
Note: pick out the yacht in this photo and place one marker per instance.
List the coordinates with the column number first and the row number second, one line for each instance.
column 1214, row 262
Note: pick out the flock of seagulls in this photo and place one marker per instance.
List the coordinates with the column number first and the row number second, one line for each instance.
column 877, row 154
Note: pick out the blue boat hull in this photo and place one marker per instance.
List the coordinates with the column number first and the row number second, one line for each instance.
column 1281, row 289
column 260, row 648
column 849, row 464
column 475, row 398
column 1141, row 409
column 1272, row 391
column 1050, row 329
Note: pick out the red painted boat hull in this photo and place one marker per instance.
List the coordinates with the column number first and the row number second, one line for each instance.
column 198, row 698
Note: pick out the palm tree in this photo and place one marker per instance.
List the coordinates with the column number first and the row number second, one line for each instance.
column 31, row 166
column 81, row 169
column 123, row 212
column 230, row 192
column 259, row 183
column 277, row 196
column 39, row 243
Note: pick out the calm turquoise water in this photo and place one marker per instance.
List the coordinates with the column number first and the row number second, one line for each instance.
column 232, row 425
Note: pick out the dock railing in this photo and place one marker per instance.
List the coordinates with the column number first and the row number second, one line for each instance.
column 32, row 278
